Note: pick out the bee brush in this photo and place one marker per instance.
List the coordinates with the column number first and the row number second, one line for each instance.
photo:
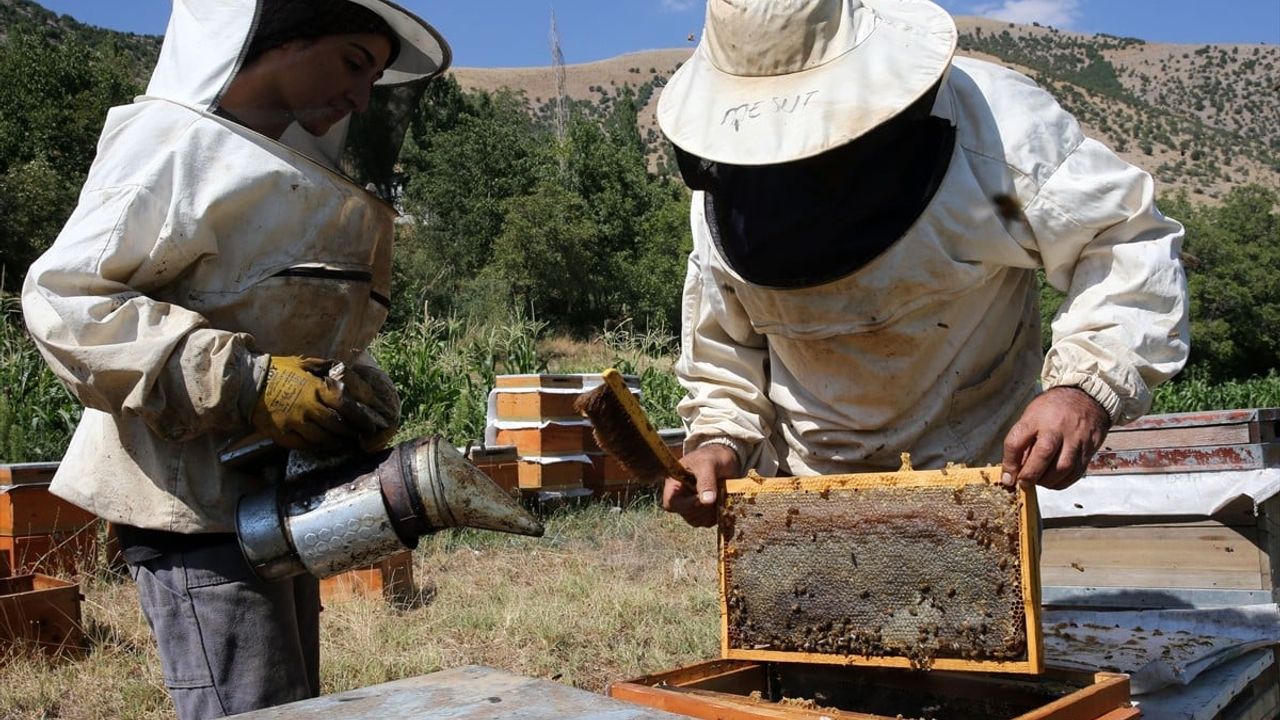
column 623, row 430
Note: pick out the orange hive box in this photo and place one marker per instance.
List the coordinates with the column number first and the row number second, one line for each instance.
column 57, row 553
column 40, row 612
column 534, row 475
column 32, row 510
column 500, row 463
column 553, row 439
column 390, row 579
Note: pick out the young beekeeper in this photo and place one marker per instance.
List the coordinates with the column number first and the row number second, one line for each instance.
column 224, row 255
column 868, row 217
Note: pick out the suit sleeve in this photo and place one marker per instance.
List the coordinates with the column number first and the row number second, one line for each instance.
column 1123, row 328
column 89, row 304
column 723, row 362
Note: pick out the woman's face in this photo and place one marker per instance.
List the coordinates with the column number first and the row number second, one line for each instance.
column 323, row 80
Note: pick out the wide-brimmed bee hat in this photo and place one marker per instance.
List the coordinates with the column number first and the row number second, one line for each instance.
column 773, row 81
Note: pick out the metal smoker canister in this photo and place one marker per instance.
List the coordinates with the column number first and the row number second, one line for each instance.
column 356, row 513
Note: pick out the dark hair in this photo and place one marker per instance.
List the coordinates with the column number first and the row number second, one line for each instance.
column 282, row 21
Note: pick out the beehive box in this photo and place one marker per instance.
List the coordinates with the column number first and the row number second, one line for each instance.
column 40, row 612
column 1181, row 553
column 1216, row 441
column 500, row 463
column 534, row 475
column 390, row 579
column 56, row 553
column 928, row 569
column 550, row 439
column 30, row 509
column 747, row 690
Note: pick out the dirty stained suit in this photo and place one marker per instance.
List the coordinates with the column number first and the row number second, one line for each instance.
column 933, row 346
column 198, row 249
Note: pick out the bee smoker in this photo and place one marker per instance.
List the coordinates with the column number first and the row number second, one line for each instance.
column 330, row 519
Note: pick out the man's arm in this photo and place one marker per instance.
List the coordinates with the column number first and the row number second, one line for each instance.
column 1123, row 328
column 723, row 368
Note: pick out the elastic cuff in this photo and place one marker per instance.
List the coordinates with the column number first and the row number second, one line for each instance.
column 254, row 379
column 738, row 447
column 1095, row 387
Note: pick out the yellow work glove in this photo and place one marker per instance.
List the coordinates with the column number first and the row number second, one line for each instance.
column 300, row 406
column 376, row 400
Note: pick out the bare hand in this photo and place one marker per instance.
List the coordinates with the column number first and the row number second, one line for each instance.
column 1055, row 438
column 709, row 464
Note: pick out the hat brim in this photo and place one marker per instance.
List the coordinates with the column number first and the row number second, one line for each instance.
column 423, row 50
column 742, row 120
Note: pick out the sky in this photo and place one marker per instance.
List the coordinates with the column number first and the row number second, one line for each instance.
column 514, row 33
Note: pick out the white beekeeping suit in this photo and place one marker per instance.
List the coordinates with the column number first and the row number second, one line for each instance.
column 925, row 339
column 200, row 247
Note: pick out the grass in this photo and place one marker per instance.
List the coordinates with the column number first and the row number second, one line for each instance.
column 609, row 594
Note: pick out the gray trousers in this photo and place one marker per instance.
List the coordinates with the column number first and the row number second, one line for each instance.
column 229, row 643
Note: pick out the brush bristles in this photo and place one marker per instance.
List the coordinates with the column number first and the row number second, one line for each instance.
column 617, row 434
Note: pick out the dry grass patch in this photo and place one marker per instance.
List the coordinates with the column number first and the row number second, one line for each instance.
column 608, row 594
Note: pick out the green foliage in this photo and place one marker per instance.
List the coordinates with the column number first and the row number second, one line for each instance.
column 444, row 368
column 1232, row 253
column 506, row 214
column 51, row 111
column 1196, row 391
column 37, row 414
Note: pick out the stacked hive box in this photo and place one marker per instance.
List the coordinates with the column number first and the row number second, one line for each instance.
column 500, row 463
column 390, row 579
column 1177, row 511
column 535, row 414
column 38, row 530
column 1174, row 509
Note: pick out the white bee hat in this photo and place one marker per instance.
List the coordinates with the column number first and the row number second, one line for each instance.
column 778, row 80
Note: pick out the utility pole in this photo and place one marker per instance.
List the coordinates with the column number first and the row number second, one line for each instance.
column 560, row 117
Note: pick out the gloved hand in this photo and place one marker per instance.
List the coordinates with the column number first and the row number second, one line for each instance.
column 302, row 408
column 378, row 402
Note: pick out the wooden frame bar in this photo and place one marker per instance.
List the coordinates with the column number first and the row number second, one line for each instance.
column 723, row 690
column 1028, row 561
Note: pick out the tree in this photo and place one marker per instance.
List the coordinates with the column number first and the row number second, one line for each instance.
column 1231, row 253
column 51, row 112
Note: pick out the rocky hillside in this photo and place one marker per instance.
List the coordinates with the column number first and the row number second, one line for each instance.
column 1200, row 117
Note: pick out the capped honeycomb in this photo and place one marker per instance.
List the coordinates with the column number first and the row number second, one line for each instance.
column 914, row 570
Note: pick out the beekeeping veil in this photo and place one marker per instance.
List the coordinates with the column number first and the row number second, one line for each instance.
column 208, row 42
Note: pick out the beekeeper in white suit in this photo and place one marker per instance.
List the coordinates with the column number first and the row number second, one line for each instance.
column 224, row 254
column 868, row 218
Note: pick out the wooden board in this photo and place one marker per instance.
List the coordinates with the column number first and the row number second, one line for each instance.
column 41, row 612
column 30, row 509
column 1258, row 416
column 1203, row 554
column 27, row 473
column 746, row 690
column 538, row 381
column 1208, row 458
column 463, row 693
column 821, row 599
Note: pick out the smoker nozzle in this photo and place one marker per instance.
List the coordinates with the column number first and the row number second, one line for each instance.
column 338, row 517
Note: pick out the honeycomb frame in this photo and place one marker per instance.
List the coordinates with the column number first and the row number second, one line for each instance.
column 957, row 509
